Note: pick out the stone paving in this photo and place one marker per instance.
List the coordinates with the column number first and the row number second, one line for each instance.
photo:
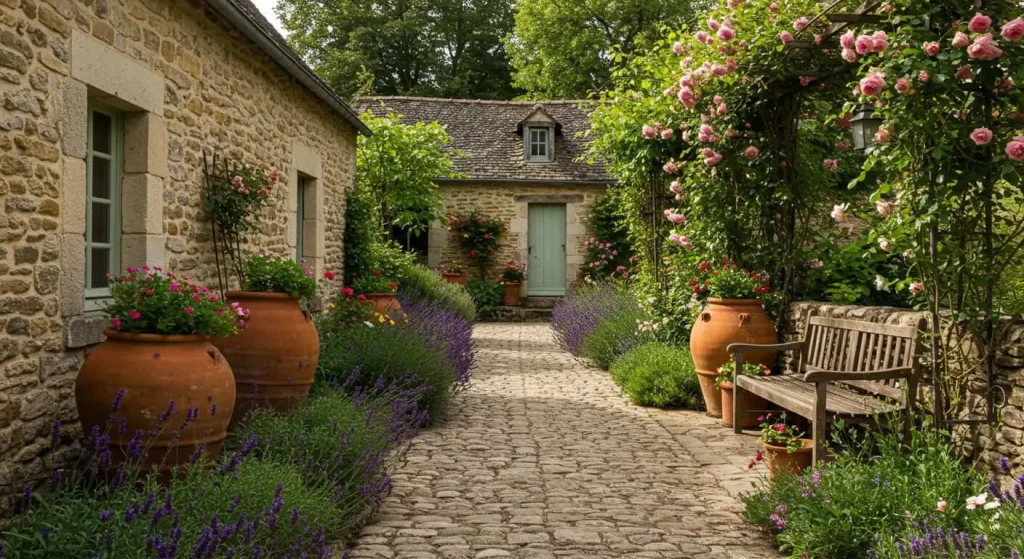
column 543, row 458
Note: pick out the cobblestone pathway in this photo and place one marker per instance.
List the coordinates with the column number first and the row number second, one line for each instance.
column 543, row 458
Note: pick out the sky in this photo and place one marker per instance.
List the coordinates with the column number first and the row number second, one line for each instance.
column 267, row 8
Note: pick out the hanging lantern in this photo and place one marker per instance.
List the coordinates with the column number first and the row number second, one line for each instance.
column 865, row 124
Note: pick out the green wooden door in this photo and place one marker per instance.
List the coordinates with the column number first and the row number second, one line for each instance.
column 546, row 233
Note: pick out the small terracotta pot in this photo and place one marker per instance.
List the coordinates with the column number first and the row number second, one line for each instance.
column 724, row 322
column 510, row 293
column 154, row 370
column 458, row 278
column 781, row 461
column 751, row 403
column 385, row 303
column 274, row 358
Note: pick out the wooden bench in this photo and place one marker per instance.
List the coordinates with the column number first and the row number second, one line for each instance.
column 848, row 369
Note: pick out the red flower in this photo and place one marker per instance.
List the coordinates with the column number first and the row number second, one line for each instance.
column 348, row 292
column 362, row 297
column 329, row 275
column 377, row 273
column 473, row 253
column 704, row 266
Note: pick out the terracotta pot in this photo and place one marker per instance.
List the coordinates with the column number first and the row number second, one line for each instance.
column 510, row 293
column 751, row 404
column 781, row 461
column 154, row 370
column 275, row 357
column 385, row 303
column 458, row 278
column 723, row 322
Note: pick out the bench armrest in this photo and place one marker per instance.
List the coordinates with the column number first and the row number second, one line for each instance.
column 789, row 346
column 884, row 374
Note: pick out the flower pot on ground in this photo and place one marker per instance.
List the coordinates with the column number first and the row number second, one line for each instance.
column 157, row 371
column 458, row 278
column 753, row 405
column 275, row 357
column 385, row 303
column 732, row 314
column 380, row 291
column 785, row 448
column 512, row 280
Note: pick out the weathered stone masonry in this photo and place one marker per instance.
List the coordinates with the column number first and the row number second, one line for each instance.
column 187, row 81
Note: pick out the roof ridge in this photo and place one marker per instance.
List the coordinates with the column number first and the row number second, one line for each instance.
column 478, row 101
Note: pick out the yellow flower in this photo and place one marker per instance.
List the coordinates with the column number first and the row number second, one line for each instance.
column 392, row 322
column 381, row 319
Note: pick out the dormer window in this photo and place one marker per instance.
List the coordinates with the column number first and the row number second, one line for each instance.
column 539, row 148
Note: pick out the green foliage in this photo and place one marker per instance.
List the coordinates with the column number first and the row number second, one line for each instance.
column 616, row 334
column 398, row 165
column 148, row 301
column 277, row 275
column 850, row 271
column 608, row 250
column 440, row 48
column 777, row 432
column 342, row 311
column 727, row 370
column 362, row 233
column 375, row 282
column 390, row 354
column 658, row 375
column 422, row 283
column 566, row 50
column 235, row 197
column 478, row 236
column 874, row 491
column 486, row 295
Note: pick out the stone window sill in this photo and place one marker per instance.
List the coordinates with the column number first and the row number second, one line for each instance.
column 85, row 330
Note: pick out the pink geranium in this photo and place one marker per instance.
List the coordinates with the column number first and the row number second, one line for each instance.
column 932, row 48
column 751, row 152
column 961, row 40
column 984, row 48
column 134, row 315
column 116, row 323
column 872, row 84
column 980, row 23
column 1013, row 30
column 981, row 136
column 190, row 310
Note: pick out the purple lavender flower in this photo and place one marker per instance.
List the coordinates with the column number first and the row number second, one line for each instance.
column 116, row 405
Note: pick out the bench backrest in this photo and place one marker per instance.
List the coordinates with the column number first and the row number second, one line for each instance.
column 834, row 344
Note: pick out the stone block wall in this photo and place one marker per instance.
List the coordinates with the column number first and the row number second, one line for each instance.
column 187, row 81
column 510, row 203
column 1006, row 438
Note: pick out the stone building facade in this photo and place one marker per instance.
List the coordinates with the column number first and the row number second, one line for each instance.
column 986, row 442
column 107, row 109
column 522, row 164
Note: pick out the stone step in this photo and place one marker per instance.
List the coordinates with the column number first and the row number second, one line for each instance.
column 519, row 314
column 540, row 302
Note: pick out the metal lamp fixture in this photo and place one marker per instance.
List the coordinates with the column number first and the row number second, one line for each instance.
column 865, row 124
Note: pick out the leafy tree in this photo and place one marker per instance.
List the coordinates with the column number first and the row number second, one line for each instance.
column 446, row 48
column 565, row 50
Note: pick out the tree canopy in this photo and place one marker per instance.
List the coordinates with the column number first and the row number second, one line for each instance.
column 446, row 48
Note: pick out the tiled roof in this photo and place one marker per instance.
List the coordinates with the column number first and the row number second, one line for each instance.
column 488, row 133
column 262, row 32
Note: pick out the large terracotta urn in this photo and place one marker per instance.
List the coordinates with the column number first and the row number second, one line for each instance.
column 510, row 293
column 179, row 388
column 753, row 407
column 274, row 358
column 385, row 303
column 724, row 322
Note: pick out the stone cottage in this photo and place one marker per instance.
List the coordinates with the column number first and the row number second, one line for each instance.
column 107, row 109
column 522, row 166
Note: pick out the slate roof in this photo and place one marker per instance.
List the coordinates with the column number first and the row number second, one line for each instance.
column 263, row 33
column 486, row 131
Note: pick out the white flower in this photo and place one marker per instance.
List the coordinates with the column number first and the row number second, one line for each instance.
column 880, row 284
column 975, row 502
column 368, row 323
column 991, row 505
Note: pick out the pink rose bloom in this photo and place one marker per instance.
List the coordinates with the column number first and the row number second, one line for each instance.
column 666, row 134
column 864, row 44
column 675, row 217
column 830, row 164
column 916, row 288
column 818, row 39
column 711, row 157
column 902, row 85
column 1014, row 30
column 885, row 209
column 885, row 244
column 839, row 213
column 981, row 136
column 717, row 99
column 702, row 36
column 801, row 23
column 723, row 109
column 806, row 80
column 726, row 34
column 678, row 49
column 671, row 168
column 882, row 136
column 964, row 73
column 941, row 506
column 872, row 84
column 680, row 240
column 713, row 24
column 649, row 132
column 786, row 37
column 984, row 48
column 843, row 145
column 751, row 153
column 1015, row 149
column 980, row 23
column 880, row 41
column 961, row 40
column 189, row 310
column 846, row 41
column 932, row 48
column 670, row 91
column 849, row 55
column 675, row 187
column 923, row 76
column 773, row 7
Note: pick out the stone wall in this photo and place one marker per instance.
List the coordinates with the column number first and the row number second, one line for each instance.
column 187, row 82
column 510, row 203
column 1006, row 438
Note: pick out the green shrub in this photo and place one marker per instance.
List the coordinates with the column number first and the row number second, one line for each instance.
column 875, row 491
column 658, row 375
column 362, row 356
column 424, row 284
column 486, row 295
column 616, row 333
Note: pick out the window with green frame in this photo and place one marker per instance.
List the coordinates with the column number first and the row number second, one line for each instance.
column 103, row 202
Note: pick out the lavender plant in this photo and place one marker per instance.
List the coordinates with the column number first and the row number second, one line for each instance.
column 446, row 332
column 583, row 309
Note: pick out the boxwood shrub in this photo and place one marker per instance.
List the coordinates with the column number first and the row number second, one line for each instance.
column 658, row 375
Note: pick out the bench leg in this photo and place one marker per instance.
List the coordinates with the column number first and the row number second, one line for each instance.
column 820, row 422
column 737, row 408
column 908, row 413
